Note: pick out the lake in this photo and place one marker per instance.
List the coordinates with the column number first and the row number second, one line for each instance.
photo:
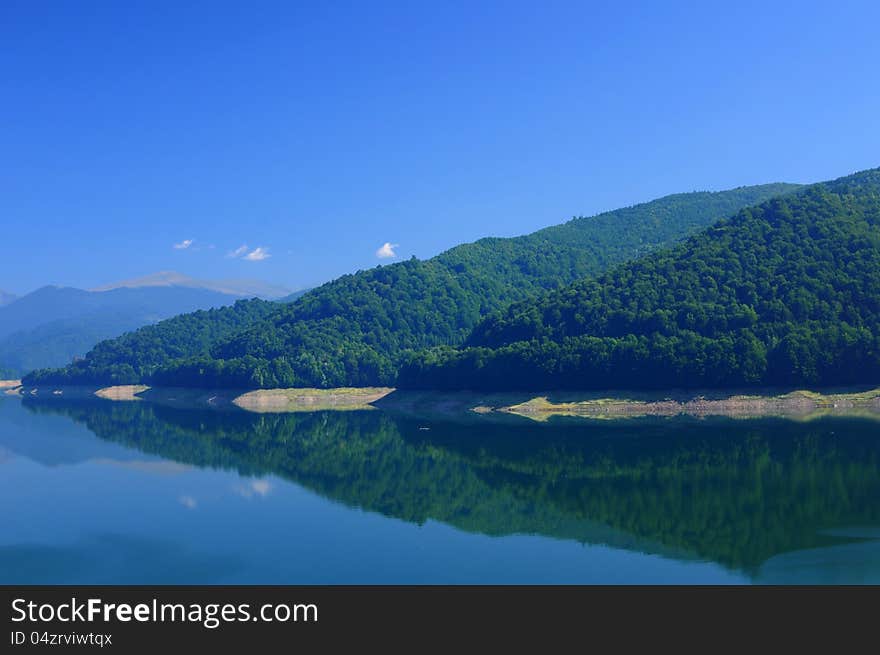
column 134, row 493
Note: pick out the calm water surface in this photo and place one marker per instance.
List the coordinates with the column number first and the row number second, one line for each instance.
column 102, row 492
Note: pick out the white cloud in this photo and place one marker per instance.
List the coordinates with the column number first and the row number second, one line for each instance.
column 183, row 245
column 261, row 487
column 255, row 255
column 188, row 501
column 255, row 488
column 387, row 250
column 238, row 252
column 258, row 254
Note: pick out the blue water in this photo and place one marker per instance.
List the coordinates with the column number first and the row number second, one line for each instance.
column 102, row 492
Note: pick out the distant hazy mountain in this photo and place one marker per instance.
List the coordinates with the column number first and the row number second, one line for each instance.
column 53, row 325
column 5, row 298
column 293, row 296
column 241, row 288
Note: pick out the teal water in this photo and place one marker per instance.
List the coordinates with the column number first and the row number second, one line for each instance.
column 102, row 492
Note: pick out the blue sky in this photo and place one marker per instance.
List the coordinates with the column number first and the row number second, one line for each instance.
column 317, row 132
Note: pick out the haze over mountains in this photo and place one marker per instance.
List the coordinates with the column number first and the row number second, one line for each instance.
column 242, row 288
column 355, row 330
column 52, row 325
column 5, row 298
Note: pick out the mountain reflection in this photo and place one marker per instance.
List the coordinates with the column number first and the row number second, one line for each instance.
column 739, row 493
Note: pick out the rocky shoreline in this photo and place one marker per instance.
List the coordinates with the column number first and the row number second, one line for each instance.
column 260, row 400
column 796, row 404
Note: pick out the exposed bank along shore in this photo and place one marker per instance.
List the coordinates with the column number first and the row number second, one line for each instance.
column 798, row 404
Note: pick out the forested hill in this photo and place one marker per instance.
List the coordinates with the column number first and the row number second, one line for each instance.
column 784, row 293
column 127, row 359
column 53, row 325
column 353, row 331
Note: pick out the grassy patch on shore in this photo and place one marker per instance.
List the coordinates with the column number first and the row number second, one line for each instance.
column 799, row 404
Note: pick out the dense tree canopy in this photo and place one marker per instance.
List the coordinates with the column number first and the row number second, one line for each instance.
column 134, row 356
column 784, row 293
column 354, row 330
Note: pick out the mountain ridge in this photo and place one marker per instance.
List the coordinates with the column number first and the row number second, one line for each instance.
column 353, row 330
column 234, row 287
column 52, row 325
column 783, row 293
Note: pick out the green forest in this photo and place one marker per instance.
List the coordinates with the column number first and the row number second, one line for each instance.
column 133, row 356
column 784, row 293
column 357, row 330
column 53, row 326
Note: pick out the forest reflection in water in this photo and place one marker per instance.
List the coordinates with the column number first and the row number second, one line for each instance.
column 752, row 495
